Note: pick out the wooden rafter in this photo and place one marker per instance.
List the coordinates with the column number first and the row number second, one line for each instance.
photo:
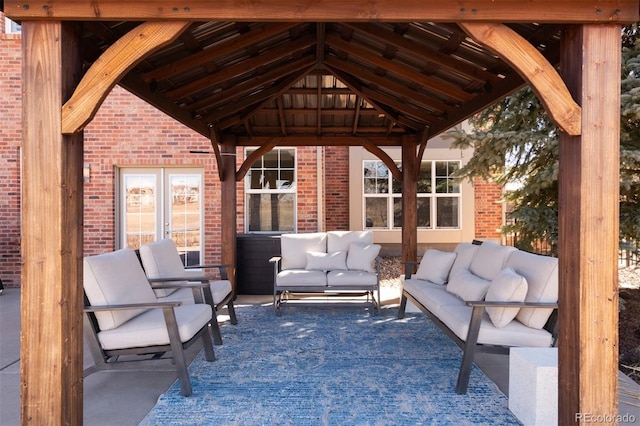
column 534, row 68
column 247, row 39
column 241, row 68
column 429, row 83
column 105, row 73
column 259, row 101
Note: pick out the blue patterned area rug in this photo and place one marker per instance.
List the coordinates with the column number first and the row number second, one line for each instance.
column 331, row 366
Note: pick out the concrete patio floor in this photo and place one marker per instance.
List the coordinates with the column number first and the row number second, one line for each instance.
column 124, row 398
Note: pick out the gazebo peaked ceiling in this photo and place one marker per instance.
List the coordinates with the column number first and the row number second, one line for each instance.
column 279, row 79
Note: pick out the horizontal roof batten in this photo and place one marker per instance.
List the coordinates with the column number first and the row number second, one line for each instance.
column 299, row 140
column 541, row 11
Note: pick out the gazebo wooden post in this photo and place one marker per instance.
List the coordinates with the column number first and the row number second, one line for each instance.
column 229, row 210
column 588, row 227
column 409, row 198
column 52, row 201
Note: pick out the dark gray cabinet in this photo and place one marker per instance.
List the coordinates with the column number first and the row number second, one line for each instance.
column 254, row 273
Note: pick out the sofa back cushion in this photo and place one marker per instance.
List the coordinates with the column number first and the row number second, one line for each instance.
column 112, row 279
column 294, row 248
column 467, row 286
column 435, row 266
column 464, row 256
column 161, row 259
column 318, row 261
column 490, row 259
column 341, row 240
column 541, row 273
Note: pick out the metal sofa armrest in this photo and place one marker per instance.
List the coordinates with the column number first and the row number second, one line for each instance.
column 485, row 304
column 222, row 269
column 129, row 306
column 408, row 267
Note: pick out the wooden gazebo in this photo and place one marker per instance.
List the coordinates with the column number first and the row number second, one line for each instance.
column 324, row 72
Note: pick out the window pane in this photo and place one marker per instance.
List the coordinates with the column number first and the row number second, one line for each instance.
column 376, row 212
column 397, row 212
column 369, row 185
column 445, row 184
column 447, row 212
column 424, row 212
column 424, row 178
column 396, row 185
column 271, row 212
column 287, row 159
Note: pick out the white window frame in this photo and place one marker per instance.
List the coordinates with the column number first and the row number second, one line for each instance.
column 11, row 27
column 291, row 189
column 433, row 196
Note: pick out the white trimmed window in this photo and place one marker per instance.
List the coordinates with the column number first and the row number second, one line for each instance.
column 439, row 196
column 11, row 27
column 270, row 192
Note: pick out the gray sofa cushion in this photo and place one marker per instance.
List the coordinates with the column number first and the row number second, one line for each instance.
column 301, row 277
column 490, row 259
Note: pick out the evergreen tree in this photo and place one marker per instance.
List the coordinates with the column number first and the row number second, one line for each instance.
column 516, row 144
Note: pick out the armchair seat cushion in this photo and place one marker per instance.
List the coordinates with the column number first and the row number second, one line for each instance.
column 351, row 278
column 149, row 329
column 301, row 277
column 219, row 290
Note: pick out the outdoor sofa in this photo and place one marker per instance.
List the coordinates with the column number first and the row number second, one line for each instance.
column 329, row 263
column 486, row 297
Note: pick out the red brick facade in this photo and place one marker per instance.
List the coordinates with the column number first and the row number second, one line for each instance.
column 127, row 132
column 488, row 209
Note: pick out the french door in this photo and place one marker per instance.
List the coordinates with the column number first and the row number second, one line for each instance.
column 157, row 203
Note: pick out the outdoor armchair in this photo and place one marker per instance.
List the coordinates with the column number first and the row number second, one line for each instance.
column 162, row 264
column 125, row 324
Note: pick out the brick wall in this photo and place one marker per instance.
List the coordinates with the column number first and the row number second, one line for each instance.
column 337, row 188
column 488, row 210
column 10, row 137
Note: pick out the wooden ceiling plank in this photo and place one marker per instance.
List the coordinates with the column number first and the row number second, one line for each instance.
column 260, row 33
column 430, row 83
column 109, row 68
column 428, row 55
column 355, row 86
column 562, row 11
column 535, row 69
column 263, row 99
column 241, row 68
column 250, row 84
column 432, row 104
column 402, row 107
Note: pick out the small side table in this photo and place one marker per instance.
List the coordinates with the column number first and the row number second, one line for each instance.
column 533, row 385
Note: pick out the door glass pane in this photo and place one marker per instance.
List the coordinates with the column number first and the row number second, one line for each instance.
column 140, row 207
column 185, row 194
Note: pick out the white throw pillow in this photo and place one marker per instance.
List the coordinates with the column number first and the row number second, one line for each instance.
column 361, row 257
column 467, row 286
column 506, row 287
column 435, row 266
column 317, row 261
column 489, row 259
